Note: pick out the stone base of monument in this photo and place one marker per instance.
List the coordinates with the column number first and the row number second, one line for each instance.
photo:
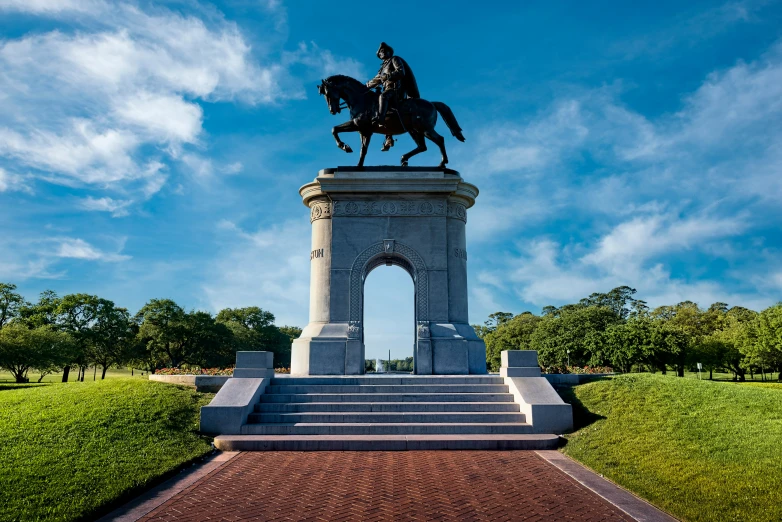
column 396, row 413
column 414, row 218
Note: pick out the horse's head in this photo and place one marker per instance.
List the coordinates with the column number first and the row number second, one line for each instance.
column 331, row 92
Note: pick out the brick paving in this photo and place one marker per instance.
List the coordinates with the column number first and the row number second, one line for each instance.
column 398, row 486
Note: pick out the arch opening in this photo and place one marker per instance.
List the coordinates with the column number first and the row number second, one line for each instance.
column 389, row 313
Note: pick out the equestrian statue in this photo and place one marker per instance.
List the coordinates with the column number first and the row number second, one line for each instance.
column 394, row 108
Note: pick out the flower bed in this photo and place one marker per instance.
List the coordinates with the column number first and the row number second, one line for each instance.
column 195, row 371
column 586, row 370
column 572, row 375
column 202, row 383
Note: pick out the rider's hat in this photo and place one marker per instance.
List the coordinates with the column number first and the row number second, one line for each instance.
column 385, row 46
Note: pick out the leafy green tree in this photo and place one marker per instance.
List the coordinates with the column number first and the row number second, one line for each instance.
column 42, row 349
column 577, row 328
column 10, row 303
column 690, row 325
column 76, row 314
column 630, row 343
column 42, row 313
column 161, row 325
column 620, row 300
column 511, row 334
column 111, row 339
column 761, row 339
column 254, row 330
column 206, row 342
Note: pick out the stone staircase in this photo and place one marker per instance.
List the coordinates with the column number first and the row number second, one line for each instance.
column 398, row 412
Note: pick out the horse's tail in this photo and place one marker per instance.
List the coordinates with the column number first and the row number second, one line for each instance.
column 449, row 119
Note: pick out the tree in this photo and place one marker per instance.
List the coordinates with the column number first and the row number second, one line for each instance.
column 111, row 336
column 42, row 313
column 205, row 341
column 512, row 334
column 254, row 330
column 76, row 315
column 42, row 349
column 762, row 339
column 577, row 328
column 161, row 326
column 687, row 324
column 619, row 300
column 10, row 303
column 631, row 343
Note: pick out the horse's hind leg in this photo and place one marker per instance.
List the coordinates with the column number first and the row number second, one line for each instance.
column 418, row 138
column 365, row 139
column 440, row 142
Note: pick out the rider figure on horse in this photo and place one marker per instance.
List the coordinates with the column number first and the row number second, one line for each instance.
column 397, row 82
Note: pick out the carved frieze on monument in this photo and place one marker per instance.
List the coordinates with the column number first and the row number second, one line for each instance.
column 423, row 330
column 354, row 330
column 389, row 208
column 320, row 210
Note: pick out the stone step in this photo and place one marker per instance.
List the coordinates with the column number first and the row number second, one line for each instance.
column 377, row 380
column 388, row 389
column 385, row 397
column 387, row 417
column 414, row 428
column 397, row 407
column 386, row 442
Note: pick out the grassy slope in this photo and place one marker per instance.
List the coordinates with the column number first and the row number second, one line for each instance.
column 700, row 450
column 69, row 449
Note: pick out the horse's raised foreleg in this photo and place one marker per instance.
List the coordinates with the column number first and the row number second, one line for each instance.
column 365, row 139
column 440, row 142
column 418, row 138
column 348, row 126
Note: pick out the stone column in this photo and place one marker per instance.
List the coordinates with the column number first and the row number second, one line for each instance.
column 457, row 262
column 320, row 261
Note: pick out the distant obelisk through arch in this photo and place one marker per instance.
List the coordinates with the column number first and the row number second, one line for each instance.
column 362, row 218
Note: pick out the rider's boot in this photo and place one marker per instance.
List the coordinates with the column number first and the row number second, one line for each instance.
column 380, row 118
column 388, row 143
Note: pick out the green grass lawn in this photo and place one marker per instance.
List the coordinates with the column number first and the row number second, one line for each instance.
column 700, row 450
column 6, row 377
column 71, row 450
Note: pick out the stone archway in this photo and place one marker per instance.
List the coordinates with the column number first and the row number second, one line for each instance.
column 414, row 218
column 389, row 252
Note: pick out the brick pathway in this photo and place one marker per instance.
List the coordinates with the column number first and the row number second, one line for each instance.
column 405, row 485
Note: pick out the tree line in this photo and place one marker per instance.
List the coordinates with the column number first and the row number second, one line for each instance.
column 615, row 329
column 78, row 331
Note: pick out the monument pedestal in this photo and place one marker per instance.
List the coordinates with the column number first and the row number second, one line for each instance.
column 414, row 218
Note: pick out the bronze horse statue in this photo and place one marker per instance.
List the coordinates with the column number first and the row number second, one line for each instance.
column 413, row 115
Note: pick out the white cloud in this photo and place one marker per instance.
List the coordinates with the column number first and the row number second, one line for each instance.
column 199, row 166
column 117, row 208
column 75, row 248
column 91, row 102
column 322, row 63
column 633, row 242
column 50, row 6
column 12, row 182
column 81, row 153
column 268, row 268
column 233, row 168
column 506, row 148
column 547, row 273
column 690, row 185
column 164, row 118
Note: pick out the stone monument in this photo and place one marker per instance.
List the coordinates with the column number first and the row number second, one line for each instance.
column 410, row 217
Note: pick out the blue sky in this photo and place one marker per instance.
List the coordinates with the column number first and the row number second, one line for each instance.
column 156, row 149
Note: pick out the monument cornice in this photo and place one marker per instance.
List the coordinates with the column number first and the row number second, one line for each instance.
column 348, row 182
